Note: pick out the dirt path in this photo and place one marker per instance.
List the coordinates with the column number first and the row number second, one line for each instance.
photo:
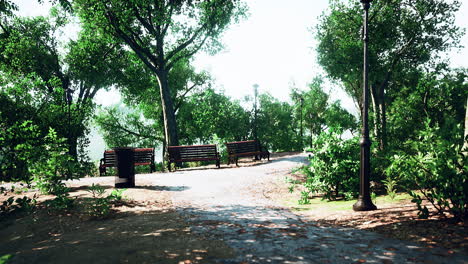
column 229, row 205
column 202, row 216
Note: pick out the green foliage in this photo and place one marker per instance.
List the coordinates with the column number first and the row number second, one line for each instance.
column 50, row 85
column 437, row 168
column 404, row 34
column 62, row 201
column 100, row 205
column 11, row 204
column 4, row 259
column 160, row 43
column 210, row 116
column 275, row 129
column 334, row 166
column 407, row 36
column 52, row 167
column 438, row 96
column 318, row 113
column 132, row 128
column 390, row 186
column 116, row 195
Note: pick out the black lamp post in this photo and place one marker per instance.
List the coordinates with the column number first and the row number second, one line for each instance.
column 364, row 202
column 255, row 86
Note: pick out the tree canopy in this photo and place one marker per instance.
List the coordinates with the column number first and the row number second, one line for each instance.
column 161, row 34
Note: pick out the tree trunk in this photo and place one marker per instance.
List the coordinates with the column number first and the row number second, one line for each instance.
column 170, row 124
column 465, row 145
column 383, row 121
column 376, row 111
column 380, row 115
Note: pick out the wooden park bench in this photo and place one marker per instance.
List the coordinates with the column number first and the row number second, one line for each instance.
column 245, row 149
column 143, row 156
column 192, row 153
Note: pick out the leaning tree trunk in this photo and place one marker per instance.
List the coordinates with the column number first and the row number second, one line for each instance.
column 380, row 116
column 465, row 145
column 383, row 120
column 170, row 124
column 376, row 112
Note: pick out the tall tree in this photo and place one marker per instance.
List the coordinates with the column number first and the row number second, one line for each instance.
column 404, row 35
column 161, row 33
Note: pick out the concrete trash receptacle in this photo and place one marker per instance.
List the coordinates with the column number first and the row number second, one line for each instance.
column 125, row 158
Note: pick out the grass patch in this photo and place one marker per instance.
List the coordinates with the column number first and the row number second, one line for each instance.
column 319, row 203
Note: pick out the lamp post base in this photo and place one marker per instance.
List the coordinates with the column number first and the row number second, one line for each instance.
column 364, row 204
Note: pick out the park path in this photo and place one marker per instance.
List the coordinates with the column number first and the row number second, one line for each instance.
column 225, row 204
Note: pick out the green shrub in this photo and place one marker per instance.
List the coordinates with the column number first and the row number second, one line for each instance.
column 116, row 195
column 334, row 167
column 11, row 204
column 100, row 205
column 437, row 168
column 390, row 186
column 53, row 166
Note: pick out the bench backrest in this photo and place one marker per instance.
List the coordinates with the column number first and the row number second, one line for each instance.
column 110, row 159
column 179, row 153
column 141, row 155
column 243, row 147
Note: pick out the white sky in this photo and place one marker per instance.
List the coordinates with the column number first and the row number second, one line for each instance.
column 274, row 48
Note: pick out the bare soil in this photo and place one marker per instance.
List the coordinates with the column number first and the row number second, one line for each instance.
column 144, row 228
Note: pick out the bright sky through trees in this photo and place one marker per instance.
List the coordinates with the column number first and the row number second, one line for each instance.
column 274, row 48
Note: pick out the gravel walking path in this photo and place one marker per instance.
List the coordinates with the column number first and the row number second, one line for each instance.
column 228, row 204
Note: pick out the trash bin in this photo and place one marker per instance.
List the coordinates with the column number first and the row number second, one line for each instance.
column 125, row 158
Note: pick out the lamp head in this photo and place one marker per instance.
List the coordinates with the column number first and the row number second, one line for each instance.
column 366, row 4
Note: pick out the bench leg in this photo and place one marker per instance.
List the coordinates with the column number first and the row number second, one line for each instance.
column 218, row 164
column 169, row 166
column 237, row 159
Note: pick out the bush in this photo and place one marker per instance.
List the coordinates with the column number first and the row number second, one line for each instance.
column 52, row 167
column 437, row 168
column 334, row 167
column 11, row 204
column 100, row 205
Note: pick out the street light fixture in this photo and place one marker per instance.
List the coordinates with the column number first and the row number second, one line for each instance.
column 364, row 202
column 255, row 86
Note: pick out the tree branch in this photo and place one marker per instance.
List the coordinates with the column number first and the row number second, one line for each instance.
column 187, row 55
column 184, row 45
